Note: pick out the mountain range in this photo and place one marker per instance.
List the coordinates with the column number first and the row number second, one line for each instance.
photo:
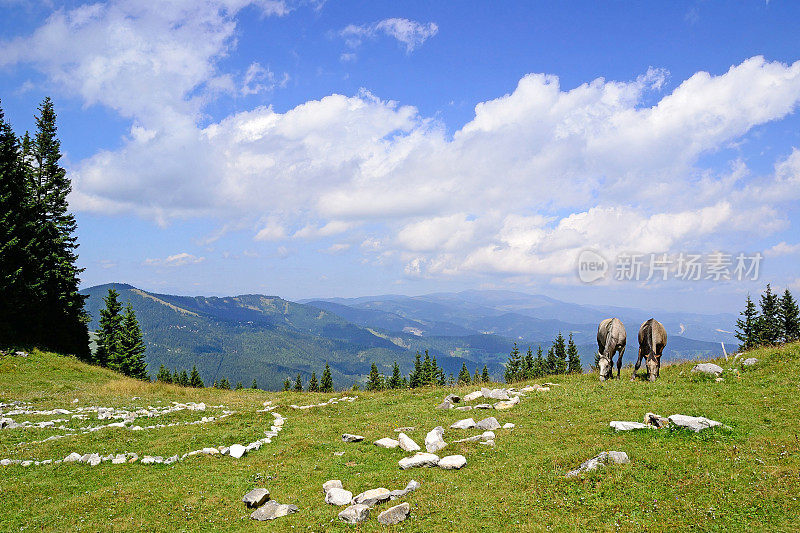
column 268, row 338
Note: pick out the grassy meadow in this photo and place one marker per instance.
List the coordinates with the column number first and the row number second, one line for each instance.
column 744, row 477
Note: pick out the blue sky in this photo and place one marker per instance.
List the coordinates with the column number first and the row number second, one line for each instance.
column 348, row 148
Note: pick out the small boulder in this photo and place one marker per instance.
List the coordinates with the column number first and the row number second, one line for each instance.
column 349, row 437
column 355, row 514
column 483, row 406
column 695, row 423
column 445, row 405
column 237, row 451
column 708, row 368
column 473, row 396
column 411, row 487
column 434, row 441
column 419, row 459
column 72, row 458
column 338, row 496
column 331, row 484
column 656, row 421
column 627, row 426
column 272, row 510
column 256, row 497
column 466, row 423
column 464, row 408
column 386, row 442
column 489, row 423
column 750, row 361
column 452, row 462
column 394, row 515
column 508, row 425
column 373, row 496
column 407, row 444
column 452, row 398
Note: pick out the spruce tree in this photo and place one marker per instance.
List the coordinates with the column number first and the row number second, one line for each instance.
column 513, row 364
column 527, row 365
column 254, row 386
column 194, row 378
column 313, row 386
column 416, row 374
column 551, row 363
column 326, row 385
column 789, row 317
column 287, row 385
column 560, row 350
column 374, row 380
column 747, row 327
column 224, row 384
column 463, row 377
column 485, row 375
column 427, row 371
column 438, row 377
column 132, row 348
column 476, row 377
column 573, row 359
column 396, row 381
column 769, row 322
column 539, row 364
column 184, row 378
column 60, row 321
column 239, row 385
column 164, row 375
column 298, row 383
column 109, row 336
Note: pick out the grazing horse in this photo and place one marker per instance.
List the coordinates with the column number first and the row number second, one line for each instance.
column 610, row 339
column 652, row 340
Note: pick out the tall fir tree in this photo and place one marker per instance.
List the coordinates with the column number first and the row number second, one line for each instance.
column 109, row 336
column 573, row 359
column 513, row 364
column 485, row 378
column 438, row 377
column 131, row 348
column 527, row 365
column 239, row 385
column 416, row 373
column 298, row 383
column 374, row 380
column 164, row 375
column 551, row 362
column 539, row 364
column 560, row 350
column 427, row 371
column 463, row 376
column 194, row 378
column 184, row 378
column 326, row 385
column 769, row 322
column 60, row 321
column 254, row 386
column 287, row 385
column 396, row 381
column 224, row 384
column 789, row 317
column 747, row 327
column 476, row 377
column 313, row 385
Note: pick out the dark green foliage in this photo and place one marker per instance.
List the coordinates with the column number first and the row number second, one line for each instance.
column 194, row 378
column 485, row 375
column 239, row 385
column 476, row 377
column 769, row 327
column 287, row 385
column 184, row 378
column 313, row 385
column 326, row 385
column 539, row 364
column 396, row 381
column 132, row 348
column 375, row 380
column 560, row 350
column 573, row 359
column 464, row 377
column 747, row 326
column 109, row 336
column 551, row 363
column 416, row 375
column 164, row 375
column 254, row 386
column 298, row 383
column 513, row 366
column 789, row 317
column 527, row 365
column 224, row 384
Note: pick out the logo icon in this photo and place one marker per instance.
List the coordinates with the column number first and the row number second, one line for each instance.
column 591, row 266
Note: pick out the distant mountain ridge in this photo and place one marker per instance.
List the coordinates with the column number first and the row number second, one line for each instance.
column 268, row 338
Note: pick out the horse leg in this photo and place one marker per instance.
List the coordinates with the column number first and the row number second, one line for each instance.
column 636, row 366
column 619, row 361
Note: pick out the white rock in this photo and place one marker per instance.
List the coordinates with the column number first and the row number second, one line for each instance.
column 472, row 396
column 708, row 368
column 466, row 423
column 349, row 437
column 338, row 496
column 256, row 498
column 373, row 496
column 419, row 459
column 237, row 450
column 627, row 426
column 355, row 514
column 331, row 484
column 488, row 423
column 209, row 451
column 394, row 515
column 695, row 423
column 750, row 361
column 407, row 444
column 434, row 441
column 386, row 442
column 508, row 425
column 619, row 458
column 72, row 458
column 452, row 462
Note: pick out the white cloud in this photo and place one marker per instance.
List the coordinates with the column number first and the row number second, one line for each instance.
column 337, row 248
column 782, row 248
column 258, row 79
column 410, row 33
column 176, row 260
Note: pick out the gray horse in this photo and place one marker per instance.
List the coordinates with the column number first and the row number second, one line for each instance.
column 610, row 339
column 652, row 340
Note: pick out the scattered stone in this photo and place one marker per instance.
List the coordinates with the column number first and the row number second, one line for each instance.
column 407, row 444
column 489, row 442
column 237, row 451
column 464, row 408
column 73, row 457
column 118, row 459
column 508, row 425
column 627, row 426
column 473, row 396
column 386, row 442
column 500, row 406
column 495, row 394
column 452, row 462
column 619, row 458
column 452, row 398
column 355, row 514
column 338, row 454
column 695, row 423
column 349, row 437
column 719, row 380
column 272, row 510
column 483, row 406
column 403, row 429
column 411, row 487
column 394, row 515
column 338, row 496
column 434, row 441
column 256, row 497
column 750, row 361
column 331, row 484
column 599, row 461
column 490, row 423
column 708, row 368
column 209, row 451
column 420, row 459
column 373, row 496
column 656, row 421
column 466, row 423
column 445, row 405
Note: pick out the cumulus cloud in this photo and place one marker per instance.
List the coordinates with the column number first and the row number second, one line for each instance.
column 410, row 33
column 782, row 248
column 176, row 260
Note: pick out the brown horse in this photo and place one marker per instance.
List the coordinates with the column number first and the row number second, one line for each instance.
column 652, row 340
column 610, row 339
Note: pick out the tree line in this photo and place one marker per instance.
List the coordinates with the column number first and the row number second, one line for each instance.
column 562, row 358
column 39, row 300
column 120, row 345
column 775, row 321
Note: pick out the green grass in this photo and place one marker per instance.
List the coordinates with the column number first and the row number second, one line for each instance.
column 741, row 478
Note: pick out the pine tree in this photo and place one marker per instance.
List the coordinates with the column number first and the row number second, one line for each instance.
column 438, row 377
column 109, row 336
column 527, row 365
column 539, row 364
column 313, row 386
column 254, row 386
column 513, row 364
column 132, row 348
column 573, row 359
column 463, row 377
column 427, row 371
column 326, row 385
column 396, row 381
column 60, row 321
column 769, row 323
column 184, row 378
column 374, row 380
column 485, row 375
column 551, row 363
column 789, row 317
column 287, row 385
column 194, row 378
column 164, row 375
column 224, row 384
column 747, row 327
column 560, row 350
column 476, row 377
column 416, row 374
column 239, row 385
column 298, row 383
